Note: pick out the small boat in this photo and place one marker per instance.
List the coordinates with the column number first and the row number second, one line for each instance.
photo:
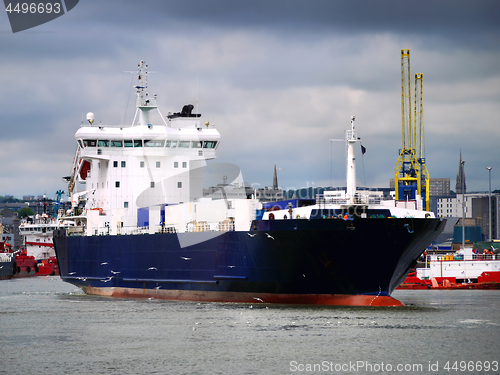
column 464, row 269
column 26, row 265
column 37, row 233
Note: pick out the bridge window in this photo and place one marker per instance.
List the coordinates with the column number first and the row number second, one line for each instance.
column 89, row 142
column 153, row 143
column 209, row 144
column 184, row 144
column 196, row 144
column 137, row 142
column 103, row 143
column 128, row 143
column 116, row 143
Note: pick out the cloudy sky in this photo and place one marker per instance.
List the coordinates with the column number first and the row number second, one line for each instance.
column 278, row 78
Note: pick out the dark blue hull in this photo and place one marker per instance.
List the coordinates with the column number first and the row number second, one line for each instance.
column 287, row 261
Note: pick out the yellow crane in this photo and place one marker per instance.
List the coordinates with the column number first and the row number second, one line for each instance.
column 419, row 139
column 410, row 168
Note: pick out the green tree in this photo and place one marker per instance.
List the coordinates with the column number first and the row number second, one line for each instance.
column 23, row 212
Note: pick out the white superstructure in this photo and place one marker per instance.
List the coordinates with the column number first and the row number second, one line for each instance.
column 132, row 171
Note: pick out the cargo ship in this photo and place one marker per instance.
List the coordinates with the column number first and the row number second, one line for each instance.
column 143, row 229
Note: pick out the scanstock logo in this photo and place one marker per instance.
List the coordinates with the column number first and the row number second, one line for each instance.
column 24, row 15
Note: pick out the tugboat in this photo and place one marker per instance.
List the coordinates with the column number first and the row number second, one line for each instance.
column 37, row 233
column 143, row 230
column 467, row 268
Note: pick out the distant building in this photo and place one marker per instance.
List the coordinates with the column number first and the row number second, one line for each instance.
column 438, row 187
column 476, row 207
column 480, row 211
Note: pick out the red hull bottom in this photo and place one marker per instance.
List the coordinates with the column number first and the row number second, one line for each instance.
column 291, row 299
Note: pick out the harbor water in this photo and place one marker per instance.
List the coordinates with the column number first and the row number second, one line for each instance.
column 49, row 327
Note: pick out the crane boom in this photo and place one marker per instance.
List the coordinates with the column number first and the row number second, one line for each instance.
column 407, row 171
column 410, row 174
column 419, row 138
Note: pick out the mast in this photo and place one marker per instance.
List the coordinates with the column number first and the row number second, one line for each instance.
column 144, row 103
column 351, row 138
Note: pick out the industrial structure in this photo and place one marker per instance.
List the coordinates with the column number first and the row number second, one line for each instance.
column 410, row 173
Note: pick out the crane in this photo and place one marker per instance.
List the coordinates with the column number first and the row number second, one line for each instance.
column 410, row 169
column 419, row 138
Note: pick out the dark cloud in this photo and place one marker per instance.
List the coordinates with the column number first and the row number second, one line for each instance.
column 279, row 78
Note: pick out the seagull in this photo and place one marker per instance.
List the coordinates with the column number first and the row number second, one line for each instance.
column 258, row 299
column 185, row 258
column 158, row 287
column 269, row 236
column 103, row 263
column 231, row 266
column 152, row 268
column 113, row 272
column 252, row 235
column 108, row 279
column 71, row 273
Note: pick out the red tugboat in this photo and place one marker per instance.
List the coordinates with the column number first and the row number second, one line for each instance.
column 26, row 265
column 464, row 269
column 37, row 232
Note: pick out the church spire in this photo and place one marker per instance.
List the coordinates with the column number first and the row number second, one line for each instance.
column 275, row 179
column 460, row 175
